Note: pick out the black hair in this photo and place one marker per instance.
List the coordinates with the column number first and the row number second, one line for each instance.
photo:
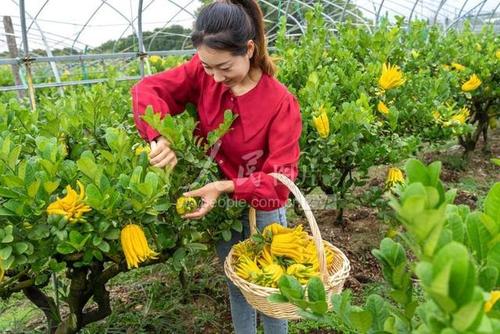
column 229, row 25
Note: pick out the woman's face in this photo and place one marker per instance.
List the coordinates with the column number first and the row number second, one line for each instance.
column 224, row 67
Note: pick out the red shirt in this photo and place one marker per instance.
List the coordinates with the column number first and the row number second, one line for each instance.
column 264, row 137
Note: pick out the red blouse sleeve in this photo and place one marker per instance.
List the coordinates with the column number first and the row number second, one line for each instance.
column 167, row 93
column 260, row 190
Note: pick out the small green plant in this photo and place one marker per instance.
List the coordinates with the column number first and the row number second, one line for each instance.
column 452, row 287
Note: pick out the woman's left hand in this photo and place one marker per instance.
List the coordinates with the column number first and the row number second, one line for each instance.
column 209, row 195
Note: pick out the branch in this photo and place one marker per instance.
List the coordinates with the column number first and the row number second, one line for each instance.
column 46, row 304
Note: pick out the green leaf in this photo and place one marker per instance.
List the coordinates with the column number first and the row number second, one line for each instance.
column 78, row 240
column 145, row 189
column 136, row 176
column 13, row 156
column 94, row 196
column 41, row 278
column 8, row 193
column 75, row 237
column 456, row 225
column 466, row 315
column 277, row 298
column 194, row 246
column 8, row 262
column 65, row 248
column 493, row 259
column 21, row 247
column 104, row 247
column 49, row 166
column 166, row 126
column 5, row 252
column 96, row 240
column 226, row 235
column 290, row 287
column 33, row 188
column 316, row 290
column 112, row 234
column 461, row 278
column 50, row 186
column 39, row 231
column 492, row 202
column 488, row 277
column 376, row 305
column 5, row 212
column 342, row 305
column 179, row 254
column 319, row 307
column 86, row 164
column 417, row 172
column 434, row 169
column 222, row 129
column 478, row 236
column 152, row 180
column 8, row 238
column 237, row 226
column 361, row 320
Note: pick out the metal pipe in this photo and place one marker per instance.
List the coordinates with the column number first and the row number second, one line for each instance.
column 71, row 58
column 343, row 10
column 65, row 83
column 142, row 52
column 412, row 10
column 441, row 4
column 378, row 11
column 26, row 59
column 478, row 12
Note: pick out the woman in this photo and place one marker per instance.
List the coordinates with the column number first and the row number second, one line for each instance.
column 231, row 70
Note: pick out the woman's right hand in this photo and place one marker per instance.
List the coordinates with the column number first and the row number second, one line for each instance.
column 161, row 154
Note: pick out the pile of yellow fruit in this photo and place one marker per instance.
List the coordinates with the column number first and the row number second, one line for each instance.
column 278, row 250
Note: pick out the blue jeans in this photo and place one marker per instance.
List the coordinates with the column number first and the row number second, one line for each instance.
column 244, row 316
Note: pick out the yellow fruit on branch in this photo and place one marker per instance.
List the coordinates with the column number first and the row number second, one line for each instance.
column 72, row 206
column 185, row 205
column 494, row 298
column 135, row 246
column 382, row 108
column 458, row 67
column 391, row 77
column 322, row 124
column 394, row 176
column 472, row 84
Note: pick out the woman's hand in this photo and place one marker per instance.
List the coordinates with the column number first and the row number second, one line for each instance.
column 209, row 195
column 161, row 154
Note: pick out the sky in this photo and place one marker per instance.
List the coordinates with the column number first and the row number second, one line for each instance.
column 64, row 20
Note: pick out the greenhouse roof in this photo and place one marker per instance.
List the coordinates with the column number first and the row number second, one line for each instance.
column 81, row 25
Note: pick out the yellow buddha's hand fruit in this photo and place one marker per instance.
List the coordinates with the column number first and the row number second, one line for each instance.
column 185, row 205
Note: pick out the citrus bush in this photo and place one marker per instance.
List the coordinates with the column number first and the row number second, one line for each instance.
column 80, row 199
column 451, row 286
column 371, row 98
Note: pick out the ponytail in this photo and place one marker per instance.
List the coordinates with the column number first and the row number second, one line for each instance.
column 261, row 56
column 229, row 25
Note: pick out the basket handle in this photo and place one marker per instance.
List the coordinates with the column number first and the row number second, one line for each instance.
column 310, row 219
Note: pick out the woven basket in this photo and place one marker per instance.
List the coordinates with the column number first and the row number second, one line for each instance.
column 333, row 277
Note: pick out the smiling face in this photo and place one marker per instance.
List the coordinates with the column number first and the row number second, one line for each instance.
column 224, row 67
